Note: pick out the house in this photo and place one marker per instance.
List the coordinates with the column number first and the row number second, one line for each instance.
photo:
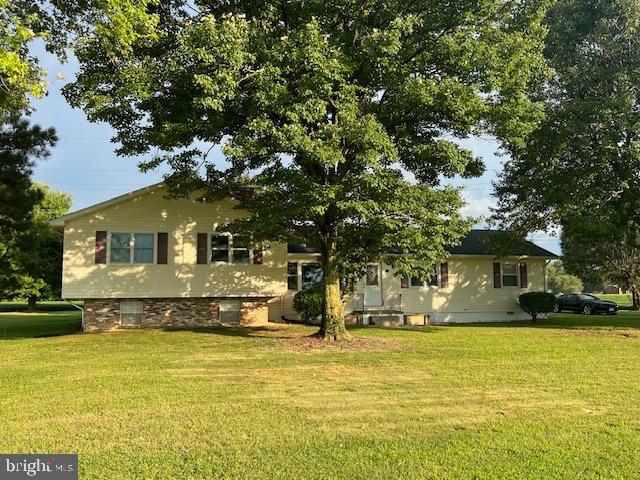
column 145, row 260
column 612, row 290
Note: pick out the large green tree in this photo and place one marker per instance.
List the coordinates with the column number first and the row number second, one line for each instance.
column 340, row 115
column 585, row 156
column 559, row 281
column 602, row 251
column 20, row 145
column 37, row 261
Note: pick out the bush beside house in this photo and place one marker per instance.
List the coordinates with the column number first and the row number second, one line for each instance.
column 535, row 303
column 308, row 303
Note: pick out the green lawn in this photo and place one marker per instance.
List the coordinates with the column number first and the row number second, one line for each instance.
column 38, row 324
column 559, row 399
column 622, row 299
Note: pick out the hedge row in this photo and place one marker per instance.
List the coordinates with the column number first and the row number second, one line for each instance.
column 40, row 307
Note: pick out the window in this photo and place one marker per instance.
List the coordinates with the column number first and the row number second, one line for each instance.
column 130, row 313
column 292, row 275
column 120, row 248
column 311, row 275
column 229, row 311
column 372, row 279
column 219, row 248
column 241, row 253
column 509, row 275
column 228, row 249
column 431, row 281
column 143, row 248
column 132, row 247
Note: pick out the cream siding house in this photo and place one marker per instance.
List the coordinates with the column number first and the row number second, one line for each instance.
column 143, row 259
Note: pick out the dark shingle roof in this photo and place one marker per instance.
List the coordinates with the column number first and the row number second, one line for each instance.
column 476, row 242
column 479, row 242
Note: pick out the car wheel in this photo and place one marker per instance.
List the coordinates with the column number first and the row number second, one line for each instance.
column 556, row 308
column 587, row 309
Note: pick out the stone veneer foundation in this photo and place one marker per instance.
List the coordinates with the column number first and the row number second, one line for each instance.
column 104, row 314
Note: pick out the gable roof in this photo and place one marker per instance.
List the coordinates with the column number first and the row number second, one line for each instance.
column 60, row 221
column 476, row 242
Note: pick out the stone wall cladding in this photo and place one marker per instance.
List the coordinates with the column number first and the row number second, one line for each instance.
column 104, row 314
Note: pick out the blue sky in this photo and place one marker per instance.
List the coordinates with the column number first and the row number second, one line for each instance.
column 84, row 163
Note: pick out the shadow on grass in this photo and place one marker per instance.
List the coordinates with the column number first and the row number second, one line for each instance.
column 261, row 331
column 571, row 321
column 17, row 326
column 404, row 329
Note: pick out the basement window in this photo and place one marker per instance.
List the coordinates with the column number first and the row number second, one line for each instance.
column 230, row 311
column 131, row 313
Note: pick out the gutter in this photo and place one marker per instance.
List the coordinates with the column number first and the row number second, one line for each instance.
column 79, row 308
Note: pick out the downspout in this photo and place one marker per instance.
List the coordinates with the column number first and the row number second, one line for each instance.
column 81, row 310
column 544, row 274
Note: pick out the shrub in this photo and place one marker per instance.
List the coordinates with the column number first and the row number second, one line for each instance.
column 535, row 303
column 308, row 303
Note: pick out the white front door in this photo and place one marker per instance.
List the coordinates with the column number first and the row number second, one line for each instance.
column 373, row 286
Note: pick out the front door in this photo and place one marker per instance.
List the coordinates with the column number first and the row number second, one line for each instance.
column 373, row 286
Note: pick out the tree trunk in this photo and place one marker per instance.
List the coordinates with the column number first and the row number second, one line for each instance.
column 332, row 327
column 31, row 306
column 635, row 298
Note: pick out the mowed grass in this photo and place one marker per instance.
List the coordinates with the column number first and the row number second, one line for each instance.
column 559, row 399
column 38, row 324
column 622, row 299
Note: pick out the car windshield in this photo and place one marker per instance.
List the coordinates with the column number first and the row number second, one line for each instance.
column 587, row 297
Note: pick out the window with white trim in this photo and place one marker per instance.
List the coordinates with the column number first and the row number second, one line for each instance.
column 292, row 276
column 220, row 248
column 226, row 248
column 241, row 254
column 311, row 275
column 509, row 275
column 131, row 247
column 131, row 313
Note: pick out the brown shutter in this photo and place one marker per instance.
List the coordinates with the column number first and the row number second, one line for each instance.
column 404, row 282
column 101, row 246
column 444, row 275
column 497, row 280
column 202, row 249
column 524, row 282
column 257, row 257
column 163, row 248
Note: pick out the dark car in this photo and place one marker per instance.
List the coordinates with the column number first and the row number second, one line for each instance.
column 584, row 303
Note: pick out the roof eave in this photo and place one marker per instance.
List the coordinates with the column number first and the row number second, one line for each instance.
column 58, row 223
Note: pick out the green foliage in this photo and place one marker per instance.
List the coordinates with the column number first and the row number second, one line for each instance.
column 44, row 306
column 559, row 281
column 604, row 252
column 20, row 144
column 309, row 304
column 535, row 303
column 584, row 159
column 321, row 108
column 39, row 271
